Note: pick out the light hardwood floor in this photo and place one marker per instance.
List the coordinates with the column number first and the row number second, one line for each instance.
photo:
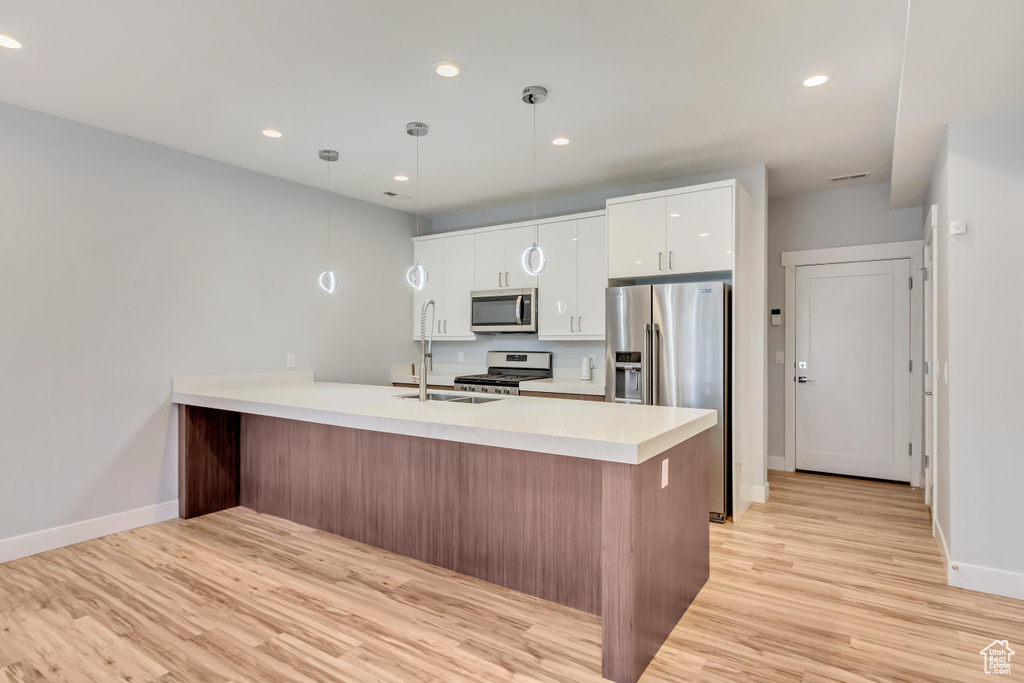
column 832, row 580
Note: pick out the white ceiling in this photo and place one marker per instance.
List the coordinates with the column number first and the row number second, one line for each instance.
column 964, row 60
column 646, row 90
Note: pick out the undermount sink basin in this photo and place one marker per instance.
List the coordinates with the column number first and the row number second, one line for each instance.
column 452, row 398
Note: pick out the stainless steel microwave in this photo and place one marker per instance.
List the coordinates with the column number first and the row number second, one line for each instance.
column 504, row 310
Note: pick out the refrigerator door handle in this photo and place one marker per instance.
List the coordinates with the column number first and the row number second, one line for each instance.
column 645, row 367
column 655, row 363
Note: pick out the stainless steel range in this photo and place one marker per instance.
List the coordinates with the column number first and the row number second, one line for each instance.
column 505, row 370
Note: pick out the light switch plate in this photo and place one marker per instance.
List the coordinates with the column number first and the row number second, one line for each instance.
column 664, row 473
column 780, row 357
column 462, row 356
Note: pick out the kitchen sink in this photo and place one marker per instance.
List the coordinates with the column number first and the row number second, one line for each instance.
column 452, row 398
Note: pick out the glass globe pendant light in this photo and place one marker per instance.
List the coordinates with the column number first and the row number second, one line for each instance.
column 534, row 260
column 328, row 280
column 417, row 276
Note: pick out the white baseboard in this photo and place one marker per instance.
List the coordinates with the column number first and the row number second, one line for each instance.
column 58, row 537
column 759, row 494
column 777, row 462
column 986, row 580
column 943, row 546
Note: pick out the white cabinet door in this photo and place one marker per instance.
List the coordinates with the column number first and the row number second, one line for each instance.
column 636, row 238
column 518, row 240
column 700, row 227
column 556, row 286
column 430, row 254
column 458, row 283
column 489, row 260
column 591, row 276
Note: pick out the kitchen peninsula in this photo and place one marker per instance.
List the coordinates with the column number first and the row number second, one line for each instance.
column 598, row 506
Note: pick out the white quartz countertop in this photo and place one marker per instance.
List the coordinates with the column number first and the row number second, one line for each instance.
column 586, row 429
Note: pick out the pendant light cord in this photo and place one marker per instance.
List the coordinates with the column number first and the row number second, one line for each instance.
column 417, row 185
column 328, row 215
column 534, row 105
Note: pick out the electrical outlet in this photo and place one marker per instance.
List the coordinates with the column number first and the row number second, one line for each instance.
column 593, row 360
column 290, row 360
column 780, row 357
column 664, row 473
column 462, row 356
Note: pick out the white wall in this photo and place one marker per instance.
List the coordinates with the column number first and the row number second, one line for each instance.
column 124, row 264
column 842, row 217
column 986, row 374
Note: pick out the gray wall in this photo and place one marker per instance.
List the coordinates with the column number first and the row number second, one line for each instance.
column 986, row 374
column 124, row 264
column 833, row 218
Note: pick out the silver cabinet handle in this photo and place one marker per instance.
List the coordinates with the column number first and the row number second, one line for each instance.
column 446, row 326
column 803, row 380
column 579, row 323
column 506, row 279
column 499, row 278
column 439, row 327
column 661, row 258
column 670, row 266
column 571, row 329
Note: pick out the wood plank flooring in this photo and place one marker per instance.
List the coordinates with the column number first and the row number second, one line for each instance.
column 831, row 580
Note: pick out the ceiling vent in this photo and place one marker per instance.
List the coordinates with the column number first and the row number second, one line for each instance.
column 395, row 195
column 852, row 176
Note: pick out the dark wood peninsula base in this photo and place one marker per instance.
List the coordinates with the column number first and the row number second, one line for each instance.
column 602, row 537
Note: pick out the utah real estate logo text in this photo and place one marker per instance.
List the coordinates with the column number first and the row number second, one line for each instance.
column 997, row 657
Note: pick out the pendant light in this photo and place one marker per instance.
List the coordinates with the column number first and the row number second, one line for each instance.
column 534, row 260
column 328, row 280
column 417, row 276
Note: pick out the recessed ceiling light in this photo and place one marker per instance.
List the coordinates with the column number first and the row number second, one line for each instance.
column 271, row 133
column 703, row 234
column 9, row 43
column 673, row 215
column 401, row 178
column 447, row 69
column 560, row 141
column 638, row 262
column 815, row 80
column 727, row 251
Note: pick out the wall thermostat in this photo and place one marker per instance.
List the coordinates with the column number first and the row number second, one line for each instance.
column 776, row 317
column 957, row 228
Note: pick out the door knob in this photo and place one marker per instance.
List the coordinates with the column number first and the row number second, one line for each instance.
column 804, row 380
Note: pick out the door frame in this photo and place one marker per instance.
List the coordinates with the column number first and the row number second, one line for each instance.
column 913, row 250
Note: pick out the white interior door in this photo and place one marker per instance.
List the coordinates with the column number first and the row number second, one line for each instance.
column 853, row 369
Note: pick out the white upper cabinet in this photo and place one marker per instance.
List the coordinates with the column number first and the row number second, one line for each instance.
column 591, row 276
column 675, row 232
column 499, row 258
column 700, row 231
column 451, row 280
column 430, row 254
column 570, row 291
column 458, row 284
column 556, row 288
column 489, row 264
column 636, row 238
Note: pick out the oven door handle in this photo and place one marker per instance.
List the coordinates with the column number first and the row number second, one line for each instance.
column 519, row 310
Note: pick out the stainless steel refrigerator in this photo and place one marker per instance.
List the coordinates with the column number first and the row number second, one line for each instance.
column 670, row 345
